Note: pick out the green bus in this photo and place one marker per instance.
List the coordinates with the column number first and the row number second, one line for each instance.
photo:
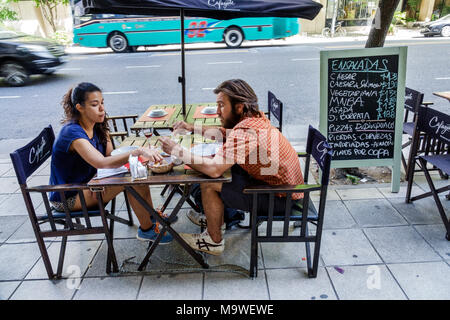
column 124, row 33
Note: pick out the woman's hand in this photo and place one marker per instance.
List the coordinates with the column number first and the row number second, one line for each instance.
column 148, row 154
column 181, row 126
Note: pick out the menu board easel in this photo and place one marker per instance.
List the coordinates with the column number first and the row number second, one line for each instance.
column 362, row 96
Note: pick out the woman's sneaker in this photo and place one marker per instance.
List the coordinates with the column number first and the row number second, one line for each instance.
column 151, row 235
column 203, row 242
column 199, row 219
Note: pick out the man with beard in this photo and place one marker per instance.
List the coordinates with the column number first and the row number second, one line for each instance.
column 256, row 152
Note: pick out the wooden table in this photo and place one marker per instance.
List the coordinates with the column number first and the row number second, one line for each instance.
column 179, row 176
column 444, row 94
column 177, row 116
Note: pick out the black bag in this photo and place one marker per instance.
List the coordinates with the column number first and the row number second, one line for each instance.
column 232, row 217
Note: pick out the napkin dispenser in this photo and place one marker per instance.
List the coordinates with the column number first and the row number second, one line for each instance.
column 137, row 169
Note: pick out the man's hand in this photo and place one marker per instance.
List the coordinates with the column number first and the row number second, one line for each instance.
column 180, row 127
column 168, row 145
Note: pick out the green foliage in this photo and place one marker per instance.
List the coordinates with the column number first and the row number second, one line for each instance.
column 62, row 37
column 399, row 18
column 6, row 14
column 50, row 3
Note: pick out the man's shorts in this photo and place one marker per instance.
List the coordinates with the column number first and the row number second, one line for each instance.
column 233, row 194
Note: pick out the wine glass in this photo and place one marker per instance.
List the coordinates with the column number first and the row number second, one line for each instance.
column 148, row 133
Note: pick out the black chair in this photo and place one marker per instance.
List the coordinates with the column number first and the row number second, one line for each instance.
column 120, row 130
column 318, row 148
column 436, row 126
column 413, row 100
column 275, row 108
column 27, row 160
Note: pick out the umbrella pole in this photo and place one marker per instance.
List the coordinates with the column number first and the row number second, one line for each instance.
column 182, row 79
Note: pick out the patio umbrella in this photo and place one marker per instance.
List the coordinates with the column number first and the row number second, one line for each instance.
column 215, row 9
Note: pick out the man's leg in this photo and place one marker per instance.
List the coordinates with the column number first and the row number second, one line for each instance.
column 213, row 207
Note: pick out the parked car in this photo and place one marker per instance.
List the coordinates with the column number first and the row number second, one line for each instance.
column 22, row 55
column 439, row 27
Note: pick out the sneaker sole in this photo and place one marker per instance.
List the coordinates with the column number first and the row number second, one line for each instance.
column 195, row 222
column 209, row 252
column 146, row 240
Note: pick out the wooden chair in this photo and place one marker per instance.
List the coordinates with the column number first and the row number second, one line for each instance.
column 120, row 130
column 318, row 148
column 413, row 100
column 27, row 160
column 275, row 108
column 436, row 126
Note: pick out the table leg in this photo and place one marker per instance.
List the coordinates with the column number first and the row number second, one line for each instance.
column 166, row 227
column 111, row 257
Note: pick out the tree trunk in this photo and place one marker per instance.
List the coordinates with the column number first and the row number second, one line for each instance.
column 381, row 23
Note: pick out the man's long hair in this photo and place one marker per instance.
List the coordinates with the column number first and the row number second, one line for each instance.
column 239, row 91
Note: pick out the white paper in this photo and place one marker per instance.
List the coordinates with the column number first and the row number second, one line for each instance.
column 103, row 173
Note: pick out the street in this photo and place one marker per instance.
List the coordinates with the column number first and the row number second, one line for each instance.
column 133, row 81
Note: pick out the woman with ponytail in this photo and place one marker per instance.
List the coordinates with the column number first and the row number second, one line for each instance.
column 83, row 146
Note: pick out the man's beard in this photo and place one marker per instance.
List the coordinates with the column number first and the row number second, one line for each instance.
column 233, row 120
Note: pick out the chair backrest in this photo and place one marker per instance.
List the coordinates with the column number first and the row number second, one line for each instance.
column 29, row 158
column 435, row 124
column 275, row 108
column 413, row 99
column 318, row 147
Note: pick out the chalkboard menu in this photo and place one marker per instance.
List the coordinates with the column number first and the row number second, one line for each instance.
column 362, row 102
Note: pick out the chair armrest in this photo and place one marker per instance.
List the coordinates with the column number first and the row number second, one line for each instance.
column 300, row 188
column 60, row 187
column 118, row 134
column 130, row 116
column 302, row 154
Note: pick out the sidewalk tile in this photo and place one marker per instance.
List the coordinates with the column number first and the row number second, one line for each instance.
column 40, row 180
column 25, row 234
column 7, row 288
column 421, row 181
column 285, row 255
column 232, row 286
column 45, row 290
column 9, row 185
column 167, row 287
column 3, row 197
column 337, row 216
column 359, row 193
column 435, row 235
column 423, row 281
column 109, row 288
column 9, row 225
column 14, row 204
column 386, row 191
column 423, row 211
column 237, row 251
column 16, row 260
column 400, row 245
column 331, row 196
column 5, row 168
column 375, row 212
column 365, row 283
column 78, row 254
column 347, row 247
column 294, row 284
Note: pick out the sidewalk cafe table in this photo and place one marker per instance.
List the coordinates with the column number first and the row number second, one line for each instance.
column 444, row 94
column 181, row 175
column 175, row 115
